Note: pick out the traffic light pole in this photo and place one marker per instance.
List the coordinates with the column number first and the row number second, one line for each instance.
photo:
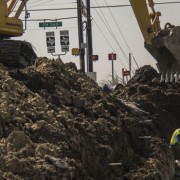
column 80, row 34
column 89, row 38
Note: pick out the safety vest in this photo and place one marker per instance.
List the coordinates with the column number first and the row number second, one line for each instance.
column 174, row 138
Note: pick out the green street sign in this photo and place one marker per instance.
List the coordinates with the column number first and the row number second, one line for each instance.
column 50, row 24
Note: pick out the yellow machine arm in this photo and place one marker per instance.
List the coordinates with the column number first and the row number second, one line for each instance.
column 11, row 26
column 19, row 10
column 162, row 43
column 148, row 22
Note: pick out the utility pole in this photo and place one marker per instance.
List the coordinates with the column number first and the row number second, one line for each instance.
column 89, row 38
column 130, row 65
column 80, row 33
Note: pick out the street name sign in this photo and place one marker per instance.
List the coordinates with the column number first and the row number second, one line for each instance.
column 50, row 24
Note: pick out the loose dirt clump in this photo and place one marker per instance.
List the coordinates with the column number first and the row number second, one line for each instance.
column 57, row 123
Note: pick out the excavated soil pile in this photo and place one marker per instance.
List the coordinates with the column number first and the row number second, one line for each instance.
column 159, row 101
column 56, row 123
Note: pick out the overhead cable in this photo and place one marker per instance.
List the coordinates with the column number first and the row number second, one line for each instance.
column 107, row 40
column 110, row 31
column 56, row 19
column 120, row 31
column 41, row 3
column 112, row 6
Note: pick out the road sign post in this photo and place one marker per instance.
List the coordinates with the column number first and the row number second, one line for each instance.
column 112, row 57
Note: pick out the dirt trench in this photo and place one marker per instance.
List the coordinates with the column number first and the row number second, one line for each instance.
column 57, row 123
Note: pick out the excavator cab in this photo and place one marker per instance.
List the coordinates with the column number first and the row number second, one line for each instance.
column 162, row 43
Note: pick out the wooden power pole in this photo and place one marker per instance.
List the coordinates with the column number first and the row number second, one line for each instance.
column 80, row 33
column 89, row 37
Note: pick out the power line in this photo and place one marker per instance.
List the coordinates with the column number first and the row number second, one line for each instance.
column 112, row 34
column 97, row 7
column 38, row 29
column 175, row 2
column 120, row 31
column 32, row 2
column 53, row 9
column 56, row 19
column 104, row 18
column 107, row 40
column 51, row 4
column 42, row 3
column 45, row 1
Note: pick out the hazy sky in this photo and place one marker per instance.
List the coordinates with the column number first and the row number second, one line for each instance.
column 110, row 26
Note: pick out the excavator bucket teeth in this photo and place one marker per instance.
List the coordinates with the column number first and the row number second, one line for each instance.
column 166, row 50
column 16, row 54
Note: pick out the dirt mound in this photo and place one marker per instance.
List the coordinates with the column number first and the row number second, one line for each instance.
column 160, row 101
column 145, row 75
column 57, row 123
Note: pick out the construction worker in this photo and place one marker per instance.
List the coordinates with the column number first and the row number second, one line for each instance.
column 175, row 144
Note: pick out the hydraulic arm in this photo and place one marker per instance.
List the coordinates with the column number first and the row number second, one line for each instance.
column 162, row 43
